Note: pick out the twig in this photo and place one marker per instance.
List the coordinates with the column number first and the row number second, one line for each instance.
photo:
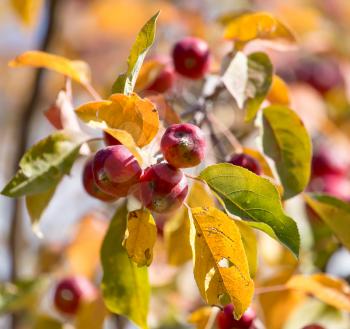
column 91, row 90
column 23, row 128
column 212, row 318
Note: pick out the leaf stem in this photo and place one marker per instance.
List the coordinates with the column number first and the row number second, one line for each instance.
column 92, row 91
column 212, row 318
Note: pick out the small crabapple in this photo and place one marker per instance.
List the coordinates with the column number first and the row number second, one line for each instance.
column 183, row 145
column 163, row 188
column 313, row 326
column 110, row 140
column 191, row 57
column 71, row 292
column 246, row 161
column 165, row 79
column 116, row 170
column 90, row 186
column 226, row 320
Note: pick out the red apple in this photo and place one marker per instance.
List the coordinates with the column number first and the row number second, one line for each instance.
column 246, row 161
column 90, row 186
column 163, row 188
column 191, row 57
column 183, row 145
column 226, row 320
column 116, row 170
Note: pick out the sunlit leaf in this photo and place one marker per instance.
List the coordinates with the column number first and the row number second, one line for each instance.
column 17, row 296
column 126, row 82
column 253, row 198
column 220, row 263
column 44, row 164
column 287, row 142
column 248, row 79
column 200, row 317
column 334, row 212
column 125, row 286
column 91, row 315
column 140, row 237
column 36, row 205
column 131, row 113
column 260, row 25
column 76, row 70
column 27, row 10
column 260, row 72
column 177, row 227
column 279, row 92
column 83, row 252
column 250, row 245
column 45, row 322
column 330, row 290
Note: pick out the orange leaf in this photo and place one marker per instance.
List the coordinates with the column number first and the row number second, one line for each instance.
column 279, row 93
column 77, row 70
column 330, row 290
column 83, row 254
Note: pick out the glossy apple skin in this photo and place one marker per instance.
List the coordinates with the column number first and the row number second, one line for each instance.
column 225, row 319
column 110, row 140
column 191, row 57
column 313, row 326
column 163, row 188
column 183, row 145
column 90, row 185
column 71, row 292
column 116, row 170
column 246, row 161
column 323, row 164
column 165, row 79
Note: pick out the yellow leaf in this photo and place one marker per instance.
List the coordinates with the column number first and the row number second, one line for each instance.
column 91, row 315
column 199, row 318
column 279, row 93
column 250, row 245
column 127, row 140
column 277, row 306
column 177, row 228
column 148, row 73
column 140, row 237
column 131, row 113
column 260, row 25
column 76, row 70
column 330, row 290
column 220, row 263
column 27, row 10
column 83, row 254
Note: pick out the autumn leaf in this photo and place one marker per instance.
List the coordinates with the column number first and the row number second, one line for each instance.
column 254, row 199
column 125, row 83
column 287, row 142
column 132, row 114
column 125, row 286
column 200, row 317
column 91, row 315
column 148, row 73
column 260, row 25
column 83, row 251
column 177, row 227
column 334, row 212
column 140, row 237
column 27, row 10
column 220, row 263
column 261, row 159
column 330, row 290
column 76, row 70
column 279, row 92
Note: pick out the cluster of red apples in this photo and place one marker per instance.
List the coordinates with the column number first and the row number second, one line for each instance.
column 115, row 173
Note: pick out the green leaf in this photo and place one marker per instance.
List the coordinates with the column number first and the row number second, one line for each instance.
column 125, row 83
column 36, row 204
column 43, row 165
column 334, row 212
column 248, row 79
column 125, row 286
column 16, row 296
column 287, row 142
column 253, row 198
column 260, row 72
